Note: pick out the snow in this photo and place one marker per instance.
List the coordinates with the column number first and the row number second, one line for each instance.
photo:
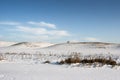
column 24, row 47
column 32, row 44
column 23, row 71
column 64, row 48
column 5, row 43
column 25, row 61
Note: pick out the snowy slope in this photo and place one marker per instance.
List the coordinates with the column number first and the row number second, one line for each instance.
column 24, row 47
column 31, row 44
column 64, row 48
column 85, row 48
column 76, row 45
column 5, row 43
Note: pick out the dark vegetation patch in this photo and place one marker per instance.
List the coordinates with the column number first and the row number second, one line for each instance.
column 46, row 62
column 89, row 60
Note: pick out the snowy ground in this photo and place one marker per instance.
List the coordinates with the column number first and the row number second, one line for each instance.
column 24, row 61
column 27, row 71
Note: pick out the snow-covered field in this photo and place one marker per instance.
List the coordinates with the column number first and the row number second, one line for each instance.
column 25, row 61
column 27, row 71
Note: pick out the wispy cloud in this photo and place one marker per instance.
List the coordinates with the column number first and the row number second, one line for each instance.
column 26, row 29
column 42, row 31
column 9, row 23
column 91, row 39
column 43, row 24
column 34, row 31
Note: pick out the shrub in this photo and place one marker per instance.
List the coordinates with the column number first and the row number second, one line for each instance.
column 46, row 62
column 70, row 61
column 76, row 59
column 102, row 61
column 73, row 58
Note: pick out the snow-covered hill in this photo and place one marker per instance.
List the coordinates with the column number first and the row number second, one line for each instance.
column 85, row 48
column 31, row 44
column 23, row 47
column 5, row 43
column 76, row 45
column 63, row 48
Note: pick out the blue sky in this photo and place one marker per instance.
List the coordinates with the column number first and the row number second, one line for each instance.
column 60, row 20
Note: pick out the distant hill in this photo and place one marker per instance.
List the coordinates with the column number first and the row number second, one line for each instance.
column 31, row 44
column 86, row 45
column 63, row 48
column 5, row 43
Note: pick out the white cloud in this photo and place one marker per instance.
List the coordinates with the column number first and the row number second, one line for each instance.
column 43, row 24
column 9, row 23
column 42, row 31
column 91, row 39
column 27, row 32
column 58, row 33
column 31, row 30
